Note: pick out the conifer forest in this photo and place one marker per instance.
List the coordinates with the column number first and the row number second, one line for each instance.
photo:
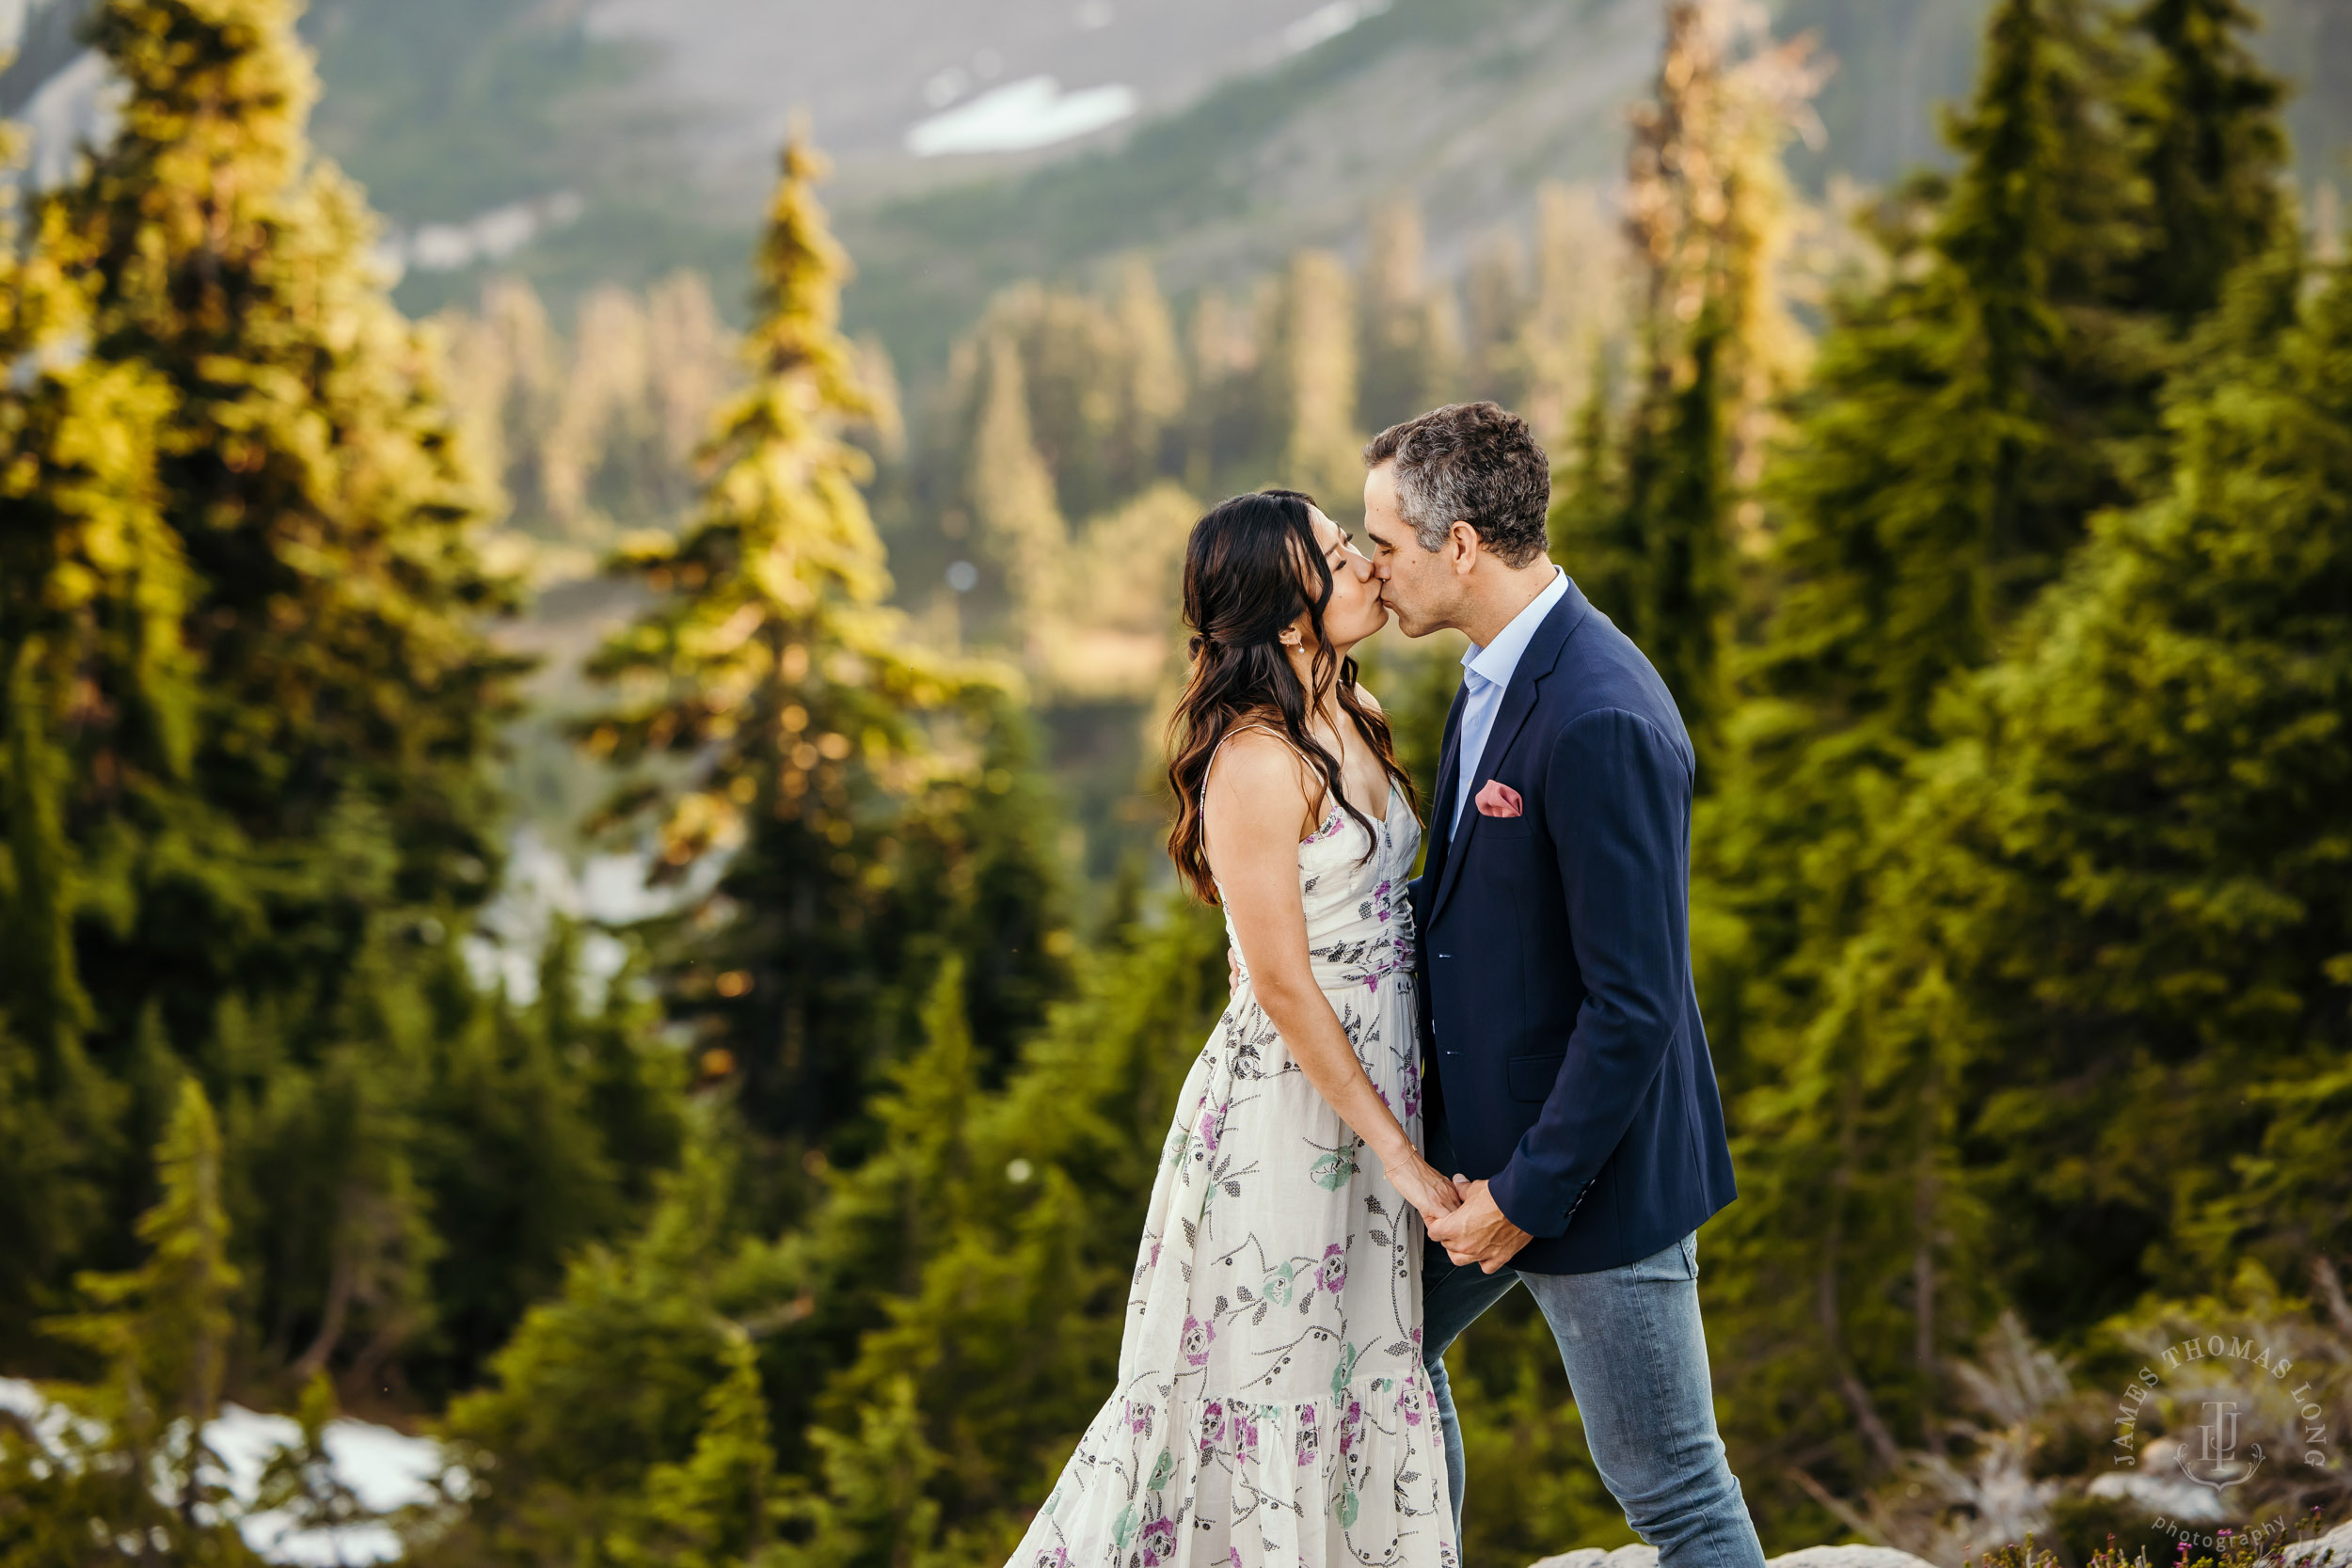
column 1989, row 520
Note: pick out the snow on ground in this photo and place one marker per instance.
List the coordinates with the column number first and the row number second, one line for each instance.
column 1032, row 112
column 384, row 1469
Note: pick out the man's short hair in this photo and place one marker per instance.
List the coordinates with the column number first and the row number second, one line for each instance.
column 1477, row 462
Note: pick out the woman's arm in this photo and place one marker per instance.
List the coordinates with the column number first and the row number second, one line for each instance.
column 1256, row 811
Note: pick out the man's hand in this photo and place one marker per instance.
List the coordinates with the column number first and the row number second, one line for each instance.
column 1478, row 1232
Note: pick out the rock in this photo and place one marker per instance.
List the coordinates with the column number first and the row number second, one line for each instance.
column 1636, row 1555
column 1847, row 1557
column 1811, row 1557
column 1583, row 1556
column 2333, row 1548
column 2163, row 1497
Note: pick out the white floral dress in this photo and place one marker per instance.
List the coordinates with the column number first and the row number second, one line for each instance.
column 1271, row 1407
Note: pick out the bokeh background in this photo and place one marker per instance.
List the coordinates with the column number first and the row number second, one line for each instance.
column 585, row 971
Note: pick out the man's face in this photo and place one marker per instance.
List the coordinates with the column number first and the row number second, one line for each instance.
column 1419, row 585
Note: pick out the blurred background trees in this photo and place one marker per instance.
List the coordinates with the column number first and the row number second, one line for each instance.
column 1988, row 523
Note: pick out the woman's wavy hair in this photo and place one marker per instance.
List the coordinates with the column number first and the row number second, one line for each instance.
column 1251, row 567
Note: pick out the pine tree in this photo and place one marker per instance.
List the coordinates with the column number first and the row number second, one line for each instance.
column 2146, row 905
column 1965, row 420
column 719, row 1506
column 308, row 468
column 1495, row 304
column 1970, row 418
column 1403, row 350
column 96, row 709
column 138, row 1471
column 770, row 662
column 1155, row 389
column 1577, row 318
column 541, row 1130
column 568, row 1465
column 1315, row 372
column 2211, row 152
column 967, row 1281
column 1014, row 496
column 1656, row 508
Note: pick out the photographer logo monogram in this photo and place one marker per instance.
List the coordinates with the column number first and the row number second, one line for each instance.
column 2235, row 1407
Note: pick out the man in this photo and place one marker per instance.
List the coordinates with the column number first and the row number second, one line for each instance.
column 1567, row 1075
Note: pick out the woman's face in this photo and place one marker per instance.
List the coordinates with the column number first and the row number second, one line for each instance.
column 1356, row 610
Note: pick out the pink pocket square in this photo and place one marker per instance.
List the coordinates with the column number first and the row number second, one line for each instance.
column 1498, row 799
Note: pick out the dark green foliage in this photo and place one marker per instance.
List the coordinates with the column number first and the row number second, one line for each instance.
column 2150, row 810
column 2213, row 152
column 1645, row 523
column 1889, row 1011
column 610, row 1378
column 309, row 473
column 981, row 1257
column 127, row 1476
column 248, row 710
column 858, row 857
column 932, row 1339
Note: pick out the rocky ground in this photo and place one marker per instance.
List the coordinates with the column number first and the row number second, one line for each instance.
column 2331, row 1550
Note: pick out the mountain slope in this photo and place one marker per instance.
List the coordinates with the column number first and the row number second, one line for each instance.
column 1464, row 105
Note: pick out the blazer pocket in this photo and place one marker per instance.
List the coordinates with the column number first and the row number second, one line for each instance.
column 1532, row 1077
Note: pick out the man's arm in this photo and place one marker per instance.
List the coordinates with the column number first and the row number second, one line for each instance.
column 1617, row 794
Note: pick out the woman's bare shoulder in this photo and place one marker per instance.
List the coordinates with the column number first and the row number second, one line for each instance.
column 1256, row 759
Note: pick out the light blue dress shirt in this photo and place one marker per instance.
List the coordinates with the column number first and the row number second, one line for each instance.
column 1486, row 676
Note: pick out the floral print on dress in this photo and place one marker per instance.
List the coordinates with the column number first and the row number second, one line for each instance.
column 1270, row 1410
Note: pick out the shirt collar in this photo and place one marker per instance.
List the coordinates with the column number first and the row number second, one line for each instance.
column 1498, row 658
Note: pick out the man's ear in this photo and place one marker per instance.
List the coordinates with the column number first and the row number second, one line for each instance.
column 1464, row 542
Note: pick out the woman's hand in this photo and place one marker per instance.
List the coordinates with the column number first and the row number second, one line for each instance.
column 1417, row 1182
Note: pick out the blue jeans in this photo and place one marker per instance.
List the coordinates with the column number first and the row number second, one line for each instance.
column 1636, row 1358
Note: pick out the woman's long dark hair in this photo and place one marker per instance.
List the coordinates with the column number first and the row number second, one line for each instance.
column 1252, row 566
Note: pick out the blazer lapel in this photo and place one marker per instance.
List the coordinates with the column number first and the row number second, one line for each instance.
column 1449, row 779
column 1518, row 701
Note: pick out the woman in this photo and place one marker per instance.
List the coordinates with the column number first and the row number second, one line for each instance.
column 1271, row 1406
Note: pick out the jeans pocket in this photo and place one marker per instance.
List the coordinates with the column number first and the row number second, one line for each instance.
column 1673, row 1263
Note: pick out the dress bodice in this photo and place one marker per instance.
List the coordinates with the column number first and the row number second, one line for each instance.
column 1359, row 922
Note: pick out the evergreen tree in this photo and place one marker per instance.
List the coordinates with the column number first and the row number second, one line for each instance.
column 1404, row 350
column 541, row 1128
column 1969, row 422
column 568, row 1462
column 1314, row 373
column 1576, row 317
column 719, row 1506
column 96, row 709
column 1013, row 498
column 1155, row 386
column 308, row 470
column 2213, row 153
column 976, row 1265
column 1650, row 519
column 136, row 1472
column 1971, row 412
column 771, row 662
column 1494, row 303
column 2142, row 870
column 1965, row 418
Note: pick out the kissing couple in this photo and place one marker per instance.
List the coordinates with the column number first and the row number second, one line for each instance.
column 1424, row 1091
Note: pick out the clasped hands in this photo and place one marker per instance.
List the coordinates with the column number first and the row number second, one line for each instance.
column 1463, row 1217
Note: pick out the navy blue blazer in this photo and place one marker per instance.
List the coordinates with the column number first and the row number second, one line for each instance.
column 1561, row 1020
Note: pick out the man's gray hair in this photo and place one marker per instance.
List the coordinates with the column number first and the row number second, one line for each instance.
column 1474, row 462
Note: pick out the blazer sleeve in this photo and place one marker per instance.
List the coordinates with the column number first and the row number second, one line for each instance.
column 1617, row 793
